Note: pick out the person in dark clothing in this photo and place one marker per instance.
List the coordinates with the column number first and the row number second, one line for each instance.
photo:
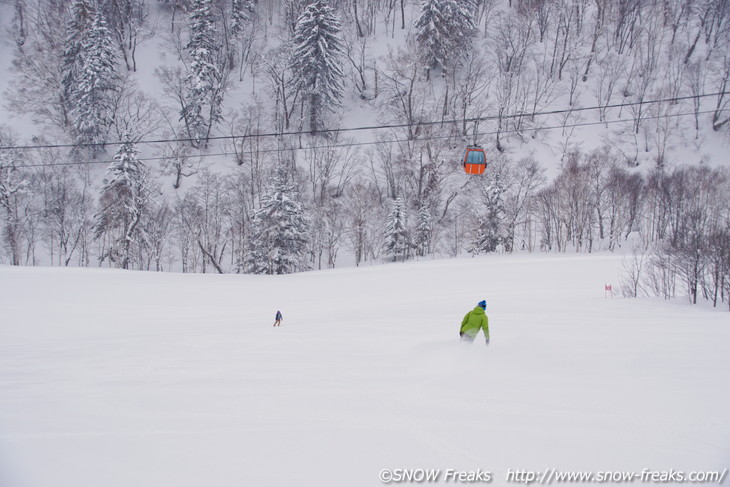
column 277, row 320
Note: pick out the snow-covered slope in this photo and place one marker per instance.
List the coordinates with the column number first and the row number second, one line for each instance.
column 111, row 378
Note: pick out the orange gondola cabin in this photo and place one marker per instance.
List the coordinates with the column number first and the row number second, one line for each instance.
column 474, row 160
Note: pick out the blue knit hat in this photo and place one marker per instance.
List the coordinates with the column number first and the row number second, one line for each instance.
column 483, row 304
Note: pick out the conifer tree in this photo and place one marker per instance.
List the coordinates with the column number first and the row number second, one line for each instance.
column 444, row 30
column 316, row 60
column 241, row 14
column 397, row 240
column 124, row 200
column 205, row 80
column 280, row 231
column 93, row 100
column 424, row 228
column 81, row 17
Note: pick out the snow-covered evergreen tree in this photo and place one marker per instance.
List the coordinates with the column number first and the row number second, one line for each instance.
column 205, row 79
column 241, row 13
column 316, row 60
column 424, row 229
column 280, row 235
column 123, row 203
column 443, row 30
column 93, row 101
column 397, row 242
column 81, row 17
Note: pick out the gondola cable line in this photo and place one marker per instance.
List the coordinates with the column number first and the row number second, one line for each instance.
column 390, row 141
column 378, row 127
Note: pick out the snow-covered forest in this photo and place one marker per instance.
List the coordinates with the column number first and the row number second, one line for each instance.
column 276, row 136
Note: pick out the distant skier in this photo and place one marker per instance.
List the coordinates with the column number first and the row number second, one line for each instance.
column 277, row 320
column 474, row 321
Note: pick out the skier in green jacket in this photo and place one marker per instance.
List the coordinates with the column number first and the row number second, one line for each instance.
column 474, row 321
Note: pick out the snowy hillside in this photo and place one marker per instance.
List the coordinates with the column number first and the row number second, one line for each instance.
column 115, row 378
column 280, row 136
column 590, row 115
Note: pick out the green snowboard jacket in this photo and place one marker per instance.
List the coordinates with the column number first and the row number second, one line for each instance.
column 474, row 321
